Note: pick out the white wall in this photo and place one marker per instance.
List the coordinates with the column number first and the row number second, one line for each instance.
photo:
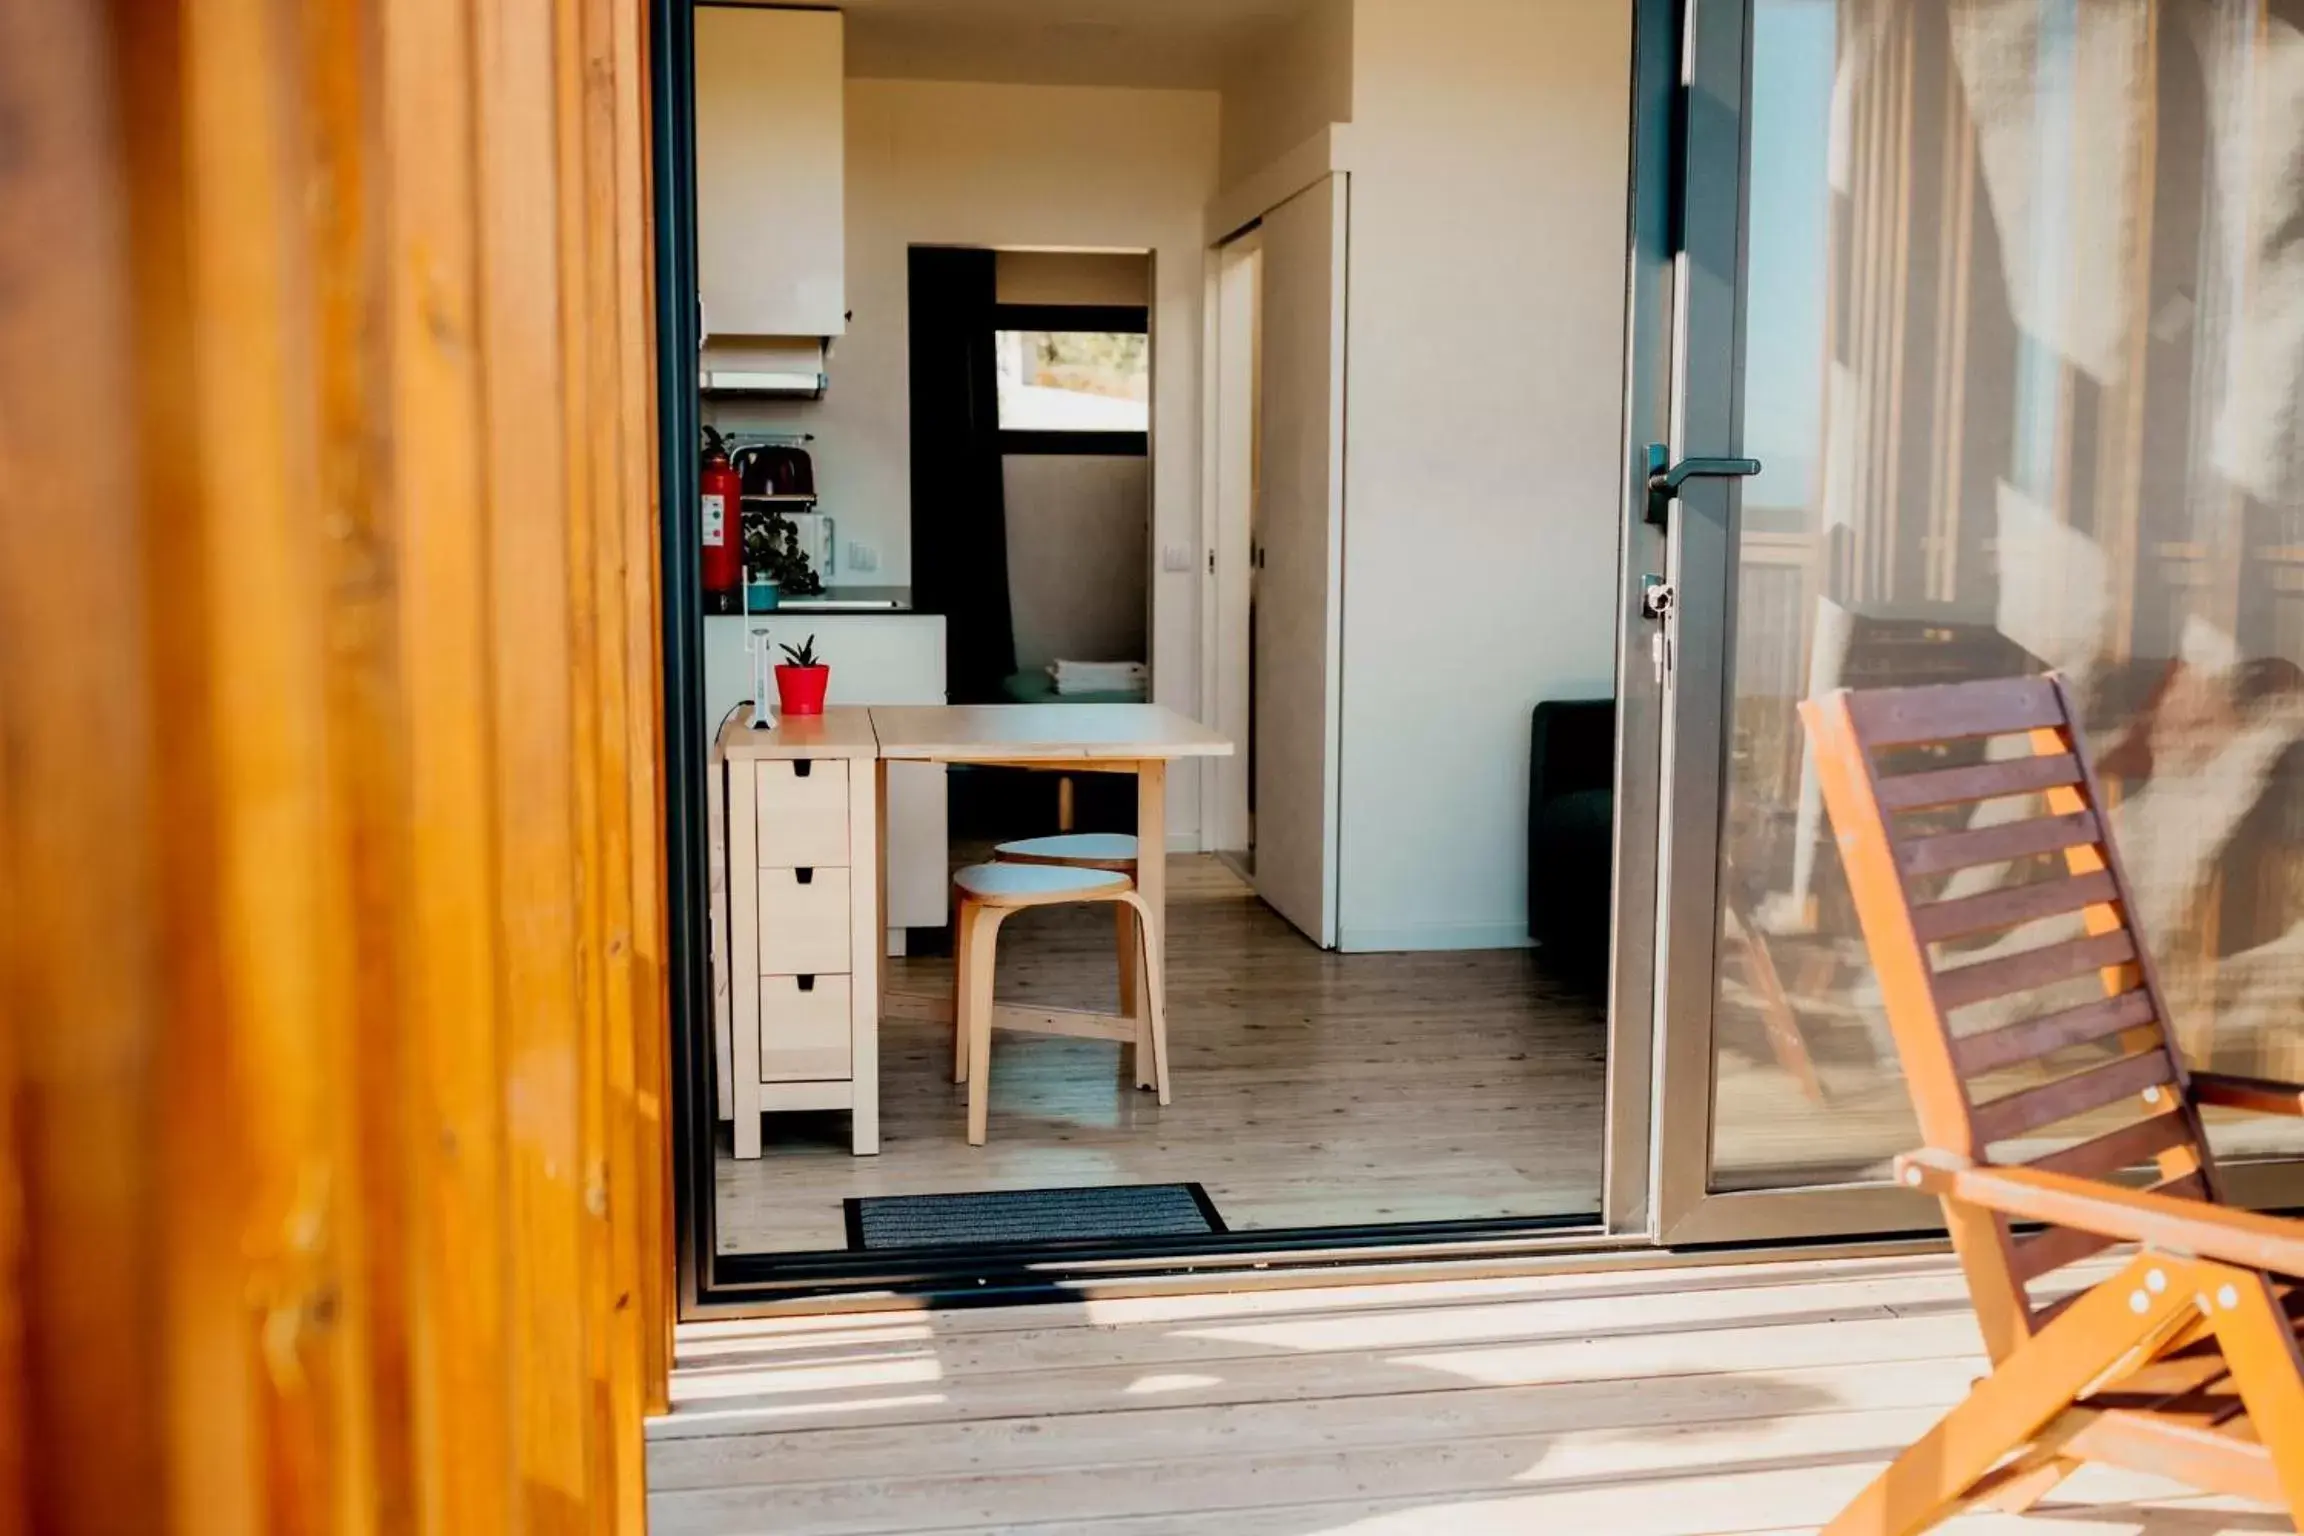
column 1484, row 432
column 1289, row 89
column 1079, row 167
column 1076, row 557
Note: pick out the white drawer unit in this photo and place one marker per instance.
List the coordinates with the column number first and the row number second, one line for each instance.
column 803, row 810
column 806, row 1030
column 804, row 922
column 798, row 918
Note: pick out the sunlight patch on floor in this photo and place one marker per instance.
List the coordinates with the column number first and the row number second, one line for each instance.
column 792, row 1381
column 1146, row 1386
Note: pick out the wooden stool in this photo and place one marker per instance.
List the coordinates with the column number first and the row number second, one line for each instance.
column 988, row 893
column 1085, row 850
column 1114, row 851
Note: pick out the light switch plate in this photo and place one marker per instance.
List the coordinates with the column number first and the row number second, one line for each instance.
column 862, row 556
column 1176, row 557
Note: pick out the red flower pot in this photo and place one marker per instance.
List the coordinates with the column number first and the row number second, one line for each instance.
column 800, row 690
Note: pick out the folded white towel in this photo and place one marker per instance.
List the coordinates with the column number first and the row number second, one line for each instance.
column 1098, row 676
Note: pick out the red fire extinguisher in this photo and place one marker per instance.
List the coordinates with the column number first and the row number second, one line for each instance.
column 723, row 492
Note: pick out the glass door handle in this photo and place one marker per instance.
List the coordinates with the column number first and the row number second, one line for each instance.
column 1664, row 483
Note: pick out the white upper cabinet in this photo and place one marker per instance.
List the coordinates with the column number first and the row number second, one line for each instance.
column 769, row 171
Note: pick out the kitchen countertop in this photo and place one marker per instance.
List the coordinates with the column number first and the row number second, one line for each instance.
column 834, row 601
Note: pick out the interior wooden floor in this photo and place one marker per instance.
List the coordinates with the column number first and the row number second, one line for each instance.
column 1687, row 1402
column 1309, row 1089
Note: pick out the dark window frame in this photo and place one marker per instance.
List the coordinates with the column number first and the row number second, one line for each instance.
column 1109, row 445
column 1120, row 319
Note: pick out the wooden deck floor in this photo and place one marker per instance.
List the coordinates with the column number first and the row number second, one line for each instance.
column 1690, row 1402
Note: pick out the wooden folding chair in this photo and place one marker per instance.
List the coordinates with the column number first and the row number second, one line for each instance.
column 2185, row 1361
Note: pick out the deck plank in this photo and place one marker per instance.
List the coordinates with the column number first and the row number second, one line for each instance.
column 1195, row 1476
column 1716, row 1401
column 1015, row 1445
column 1518, row 1321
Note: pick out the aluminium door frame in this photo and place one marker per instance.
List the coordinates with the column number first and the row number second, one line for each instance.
column 1703, row 415
column 1630, row 1099
column 1686, row 357
column 1701, row 355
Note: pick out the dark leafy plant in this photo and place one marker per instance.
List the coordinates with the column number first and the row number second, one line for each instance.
column 772, row 551
column 805, row 656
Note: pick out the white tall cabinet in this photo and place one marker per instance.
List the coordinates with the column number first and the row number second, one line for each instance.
column 1299, row 576
column 770, row 107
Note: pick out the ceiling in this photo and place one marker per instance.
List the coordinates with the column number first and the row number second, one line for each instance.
column 1176, row 44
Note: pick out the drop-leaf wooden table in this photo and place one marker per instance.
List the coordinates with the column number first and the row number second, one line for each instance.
column 1141, row 739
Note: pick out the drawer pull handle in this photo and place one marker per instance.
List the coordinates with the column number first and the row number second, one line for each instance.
column 805, row 876
column 801, row 765
column 807, row 983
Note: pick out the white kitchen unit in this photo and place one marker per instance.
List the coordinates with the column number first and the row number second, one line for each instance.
column 800, row 805
column 876, row 658
column 770, row 167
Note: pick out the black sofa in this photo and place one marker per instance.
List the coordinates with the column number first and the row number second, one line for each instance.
column 1571, row 833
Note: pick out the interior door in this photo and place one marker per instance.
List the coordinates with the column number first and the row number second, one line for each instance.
column 1300, row 426
column 1980, row 287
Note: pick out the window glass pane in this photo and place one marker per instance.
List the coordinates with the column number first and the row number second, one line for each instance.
column 1074, row 381
column 2026, row 365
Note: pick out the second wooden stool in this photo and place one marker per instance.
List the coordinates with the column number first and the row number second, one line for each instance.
column 1115, row 851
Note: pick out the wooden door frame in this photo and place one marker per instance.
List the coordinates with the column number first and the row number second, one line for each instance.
column 330, row 977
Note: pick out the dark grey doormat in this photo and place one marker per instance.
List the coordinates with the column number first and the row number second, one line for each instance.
column 1031, row 1216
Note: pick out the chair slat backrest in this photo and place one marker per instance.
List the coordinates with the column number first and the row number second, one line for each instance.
column 2040, row 900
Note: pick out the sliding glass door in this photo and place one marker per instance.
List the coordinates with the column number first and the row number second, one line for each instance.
column 2007, row 298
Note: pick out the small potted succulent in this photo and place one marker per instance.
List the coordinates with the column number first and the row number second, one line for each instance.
column 801, row 680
